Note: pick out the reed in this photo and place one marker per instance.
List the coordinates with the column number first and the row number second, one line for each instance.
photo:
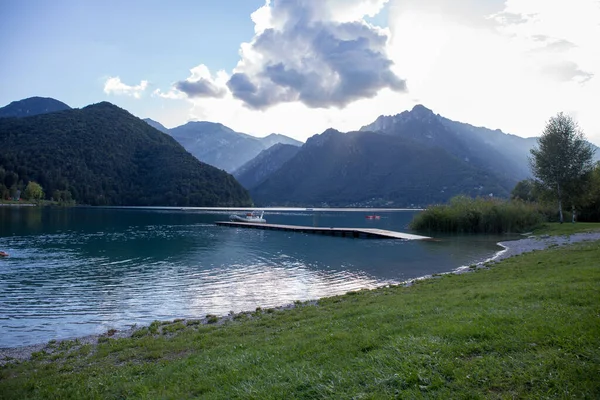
column 481, row 215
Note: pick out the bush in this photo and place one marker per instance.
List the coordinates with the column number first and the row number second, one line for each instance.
column 481, row 215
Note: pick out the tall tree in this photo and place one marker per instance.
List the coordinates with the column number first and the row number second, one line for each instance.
column 33, row 191
column 562, row 158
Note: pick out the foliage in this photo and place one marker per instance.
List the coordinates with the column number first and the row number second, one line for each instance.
column 480, row 215
column 589, row 204
column 586, row 203
column 33, row 191
column 526, row 328
column 102, row 155
column 562, row 158
column 531, row 190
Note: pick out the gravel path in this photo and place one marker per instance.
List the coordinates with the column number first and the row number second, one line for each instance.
column 511, row 248
column 532, row 243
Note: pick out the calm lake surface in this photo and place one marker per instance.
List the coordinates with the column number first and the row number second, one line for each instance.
column 80, row 271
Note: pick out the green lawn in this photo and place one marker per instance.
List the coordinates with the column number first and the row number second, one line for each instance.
column 567, row 228
column 527, row 328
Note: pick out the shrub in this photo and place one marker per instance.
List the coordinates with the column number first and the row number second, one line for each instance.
column 481, row 215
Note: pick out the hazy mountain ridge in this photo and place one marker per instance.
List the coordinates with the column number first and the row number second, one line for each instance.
column 493, row 150
column 368, row 168
column 255, row 171
column 219, row 145
column 156, row 125
column 103, row 155
column 32, row 106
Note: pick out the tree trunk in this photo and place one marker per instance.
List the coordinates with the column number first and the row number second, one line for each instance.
column 573, row 214
column 560, row 213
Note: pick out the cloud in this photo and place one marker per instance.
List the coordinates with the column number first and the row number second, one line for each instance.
column 567, row 71
column 508, row 64
column 530, row 60
column 201, row 84
column 172, row 94
column 561, row 36
column 113, row 85
column 320, row 53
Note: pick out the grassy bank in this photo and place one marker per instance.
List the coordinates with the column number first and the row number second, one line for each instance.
column 480, row 215
column 526, row 328
column 567, row 228
column 27, row 203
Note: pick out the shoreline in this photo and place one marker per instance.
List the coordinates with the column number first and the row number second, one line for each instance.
column 510, row 249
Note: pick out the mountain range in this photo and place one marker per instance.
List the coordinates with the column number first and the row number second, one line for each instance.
column 220, row 146
column 103, row 155
column 414, row 158
column 372, row 169
column 493, row 150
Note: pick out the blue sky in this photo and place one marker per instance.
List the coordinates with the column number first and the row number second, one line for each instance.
column 66, row 49
column 299, row 67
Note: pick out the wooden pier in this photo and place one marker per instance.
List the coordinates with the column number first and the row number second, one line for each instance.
column 357, row 233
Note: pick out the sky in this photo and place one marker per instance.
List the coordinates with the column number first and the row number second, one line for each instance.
column 298, row 67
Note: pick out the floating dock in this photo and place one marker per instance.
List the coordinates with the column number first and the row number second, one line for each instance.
column 362, row 233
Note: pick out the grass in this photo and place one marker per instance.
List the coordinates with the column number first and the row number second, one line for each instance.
column 37, row 203
column 526, row 328
column 480, row 215
column 567, row 228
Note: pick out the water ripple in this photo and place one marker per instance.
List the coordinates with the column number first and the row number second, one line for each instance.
column 84, row 272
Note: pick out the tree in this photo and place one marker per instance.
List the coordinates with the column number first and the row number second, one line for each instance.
column 562, row 159
column 590, row 210
column 524, row 190
column 33, row 191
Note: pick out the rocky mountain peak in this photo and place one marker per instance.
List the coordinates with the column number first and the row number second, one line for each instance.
column 421, row 111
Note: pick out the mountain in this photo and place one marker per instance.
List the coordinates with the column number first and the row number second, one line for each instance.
column 373, row 169
column 32, row 106
column 102, row 155
column 255, row 171
column 276, row 138
column 216, row 144
column 493, row 150
column 156, row 125
column 220, row 146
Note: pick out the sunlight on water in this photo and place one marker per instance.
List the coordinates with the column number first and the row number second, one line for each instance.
column 75, row 272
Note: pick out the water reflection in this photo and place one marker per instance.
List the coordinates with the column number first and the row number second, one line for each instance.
column 74, row 272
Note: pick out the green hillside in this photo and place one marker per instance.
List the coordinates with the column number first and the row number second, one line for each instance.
column 102, row 155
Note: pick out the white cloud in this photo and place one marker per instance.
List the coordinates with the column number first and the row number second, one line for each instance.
column 502, row 64
column 511, row 68
column 113, row 85
column 172, row 94
column 320, row 53
column 202, row 84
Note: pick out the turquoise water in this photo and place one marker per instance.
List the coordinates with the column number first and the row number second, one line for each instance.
column 79, row 271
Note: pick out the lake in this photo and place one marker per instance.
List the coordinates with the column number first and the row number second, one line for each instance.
column 79, row 271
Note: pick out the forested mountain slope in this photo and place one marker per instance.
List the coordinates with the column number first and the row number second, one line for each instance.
column 103, row 155
column 373, row 169
column 255, row 171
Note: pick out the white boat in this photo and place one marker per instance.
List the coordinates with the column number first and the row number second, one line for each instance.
column 253, row 217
